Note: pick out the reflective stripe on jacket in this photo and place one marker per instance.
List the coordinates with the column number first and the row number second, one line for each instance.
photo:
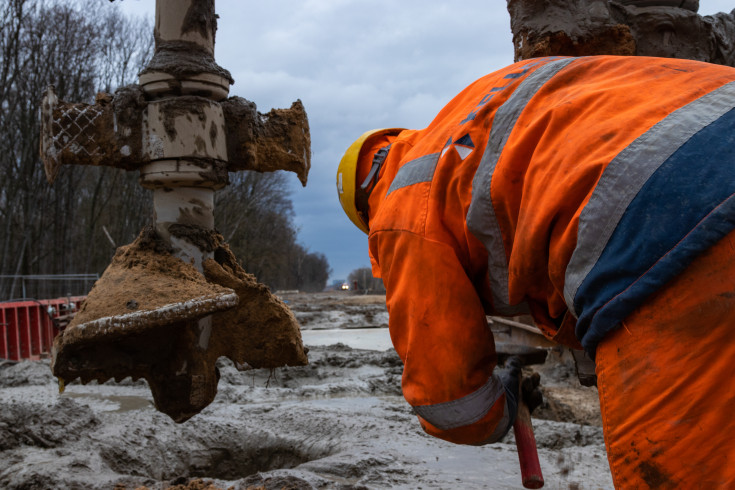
column 553, row 186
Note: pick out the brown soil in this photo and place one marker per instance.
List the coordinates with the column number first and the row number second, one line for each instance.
column 143, row 276
column 278, row 140
column 612, row 40
column 262, row 331
column 196, row 484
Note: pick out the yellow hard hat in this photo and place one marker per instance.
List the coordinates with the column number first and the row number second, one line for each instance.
column 347, row 174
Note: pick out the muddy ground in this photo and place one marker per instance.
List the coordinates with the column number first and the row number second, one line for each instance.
column 338, row 423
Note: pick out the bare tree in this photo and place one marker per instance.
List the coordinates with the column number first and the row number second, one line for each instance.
column 42, row 43
column 83, row 47
column 255, row 215
column 362, row 280
column 127, row 48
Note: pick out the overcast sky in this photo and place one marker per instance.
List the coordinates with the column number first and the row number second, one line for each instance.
column 356, row 65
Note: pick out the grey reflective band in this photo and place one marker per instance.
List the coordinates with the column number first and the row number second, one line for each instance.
column 502, row 428
column 414, row 172
column 481, row 218
column 463, row 411
column 626, row 174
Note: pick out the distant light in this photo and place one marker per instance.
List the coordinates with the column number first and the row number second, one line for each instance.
column 345, row 286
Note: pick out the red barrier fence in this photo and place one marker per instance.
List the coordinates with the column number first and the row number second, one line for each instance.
column 28, row 327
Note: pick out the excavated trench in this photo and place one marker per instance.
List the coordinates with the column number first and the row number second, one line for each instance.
column 223, row 455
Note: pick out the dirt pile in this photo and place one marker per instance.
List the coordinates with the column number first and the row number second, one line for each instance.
column 28, row 425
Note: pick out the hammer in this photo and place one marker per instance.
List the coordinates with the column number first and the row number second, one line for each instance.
column 522, row 428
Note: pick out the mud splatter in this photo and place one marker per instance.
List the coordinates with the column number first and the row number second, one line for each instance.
column 278, row 140
column 654, row 475
column 200, row 18
column 182, row 59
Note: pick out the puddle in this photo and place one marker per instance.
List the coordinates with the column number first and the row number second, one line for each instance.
column 357, row 338
column 111, row 403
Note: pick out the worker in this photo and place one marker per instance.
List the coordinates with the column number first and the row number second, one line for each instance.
column 595, row 194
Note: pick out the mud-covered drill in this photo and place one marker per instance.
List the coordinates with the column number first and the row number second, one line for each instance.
column 174, row 301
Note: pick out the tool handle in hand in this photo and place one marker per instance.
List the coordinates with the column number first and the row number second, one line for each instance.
column 527, row 453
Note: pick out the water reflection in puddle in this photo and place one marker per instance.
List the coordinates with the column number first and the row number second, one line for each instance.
column 111, row 403
column 357, row 338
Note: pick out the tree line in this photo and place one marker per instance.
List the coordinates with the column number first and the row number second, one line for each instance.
column 83, row 47
column 361, row 280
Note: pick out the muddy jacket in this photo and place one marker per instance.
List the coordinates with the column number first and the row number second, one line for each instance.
column 569, row 188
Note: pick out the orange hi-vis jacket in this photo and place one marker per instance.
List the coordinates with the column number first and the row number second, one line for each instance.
column 569, row 188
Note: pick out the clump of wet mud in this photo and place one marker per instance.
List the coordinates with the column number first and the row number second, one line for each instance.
column 144, row 276
column 182, row 59
column 277, row 140
column 24, row 374
column 613, row 40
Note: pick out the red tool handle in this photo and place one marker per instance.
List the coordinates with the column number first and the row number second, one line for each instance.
column 527, row 453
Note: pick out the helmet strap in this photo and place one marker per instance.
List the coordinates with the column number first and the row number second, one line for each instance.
column 366, row 188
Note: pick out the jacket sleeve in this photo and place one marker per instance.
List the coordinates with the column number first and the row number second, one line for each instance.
column 439, row 329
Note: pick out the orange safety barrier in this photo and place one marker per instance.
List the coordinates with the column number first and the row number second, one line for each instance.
column 28, row 327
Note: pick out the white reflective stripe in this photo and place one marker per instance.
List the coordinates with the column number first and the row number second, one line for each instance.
column 464, row 411
column 481, row 218
column 414, row 172
column 628, row 172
